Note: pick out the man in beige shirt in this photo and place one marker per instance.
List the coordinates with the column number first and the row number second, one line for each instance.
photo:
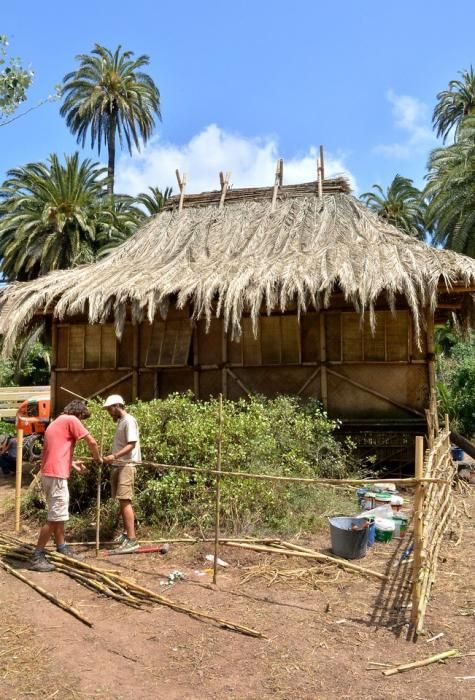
column 125, row 453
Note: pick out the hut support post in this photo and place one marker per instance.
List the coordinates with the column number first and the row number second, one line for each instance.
column 323, row 360
column 418, row 530
column 218, row 489
column 196, row 362
column 431, row 367
column 19, row 470
column 52, row 381
column 135, row 363
column 224, row 359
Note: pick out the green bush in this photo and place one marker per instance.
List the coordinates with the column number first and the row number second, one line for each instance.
column 283, row 436
column 456, row 386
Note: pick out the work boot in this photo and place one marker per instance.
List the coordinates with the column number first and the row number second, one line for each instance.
column 68, row 552
column 127, row 547
column 41, row 564
column 120, row 539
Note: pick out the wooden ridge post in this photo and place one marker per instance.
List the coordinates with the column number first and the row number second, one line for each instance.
column 218, row 489
column 224, row 181
column 181, row 179
column 279, row 179
column 418, row 531
column 18, row 475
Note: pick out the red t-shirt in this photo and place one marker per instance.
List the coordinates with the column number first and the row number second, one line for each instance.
column 60, row 438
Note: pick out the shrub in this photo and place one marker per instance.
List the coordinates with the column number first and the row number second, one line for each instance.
column 283, row 436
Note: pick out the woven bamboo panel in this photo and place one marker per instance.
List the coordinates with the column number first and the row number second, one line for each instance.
column 374, row 340
column 352, row 338
column 76, row 347
column 93, row 347
column 290, row 339
column 62, row 347
column 251, row 345
column 333, row 336
column 125, row 348
column 271, row 340
column 108, row 346
column 210, row 342
column 397, row 336
column 310, row 337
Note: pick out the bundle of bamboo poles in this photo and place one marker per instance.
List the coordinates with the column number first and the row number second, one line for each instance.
column 437, row 508
column 106, row 582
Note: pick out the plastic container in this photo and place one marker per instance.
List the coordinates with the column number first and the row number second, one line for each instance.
column 379, row 512
column 384, row 529
column 371, row 532
column 385, row 488
column 400, row 525
column 396, row 503
column 367, row 502
column 382, row 499
column 457, row 454
column 349, row 537
column 360, row 494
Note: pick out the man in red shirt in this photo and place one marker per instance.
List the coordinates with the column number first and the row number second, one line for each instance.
column 56, row 462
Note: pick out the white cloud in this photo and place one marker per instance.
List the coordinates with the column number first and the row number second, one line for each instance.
column 413, row 117
column 252, row 162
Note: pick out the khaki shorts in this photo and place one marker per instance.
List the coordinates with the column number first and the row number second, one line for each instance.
column 57, row 498
column 122, row 482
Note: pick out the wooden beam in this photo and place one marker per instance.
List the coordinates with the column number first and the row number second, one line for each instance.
column 181, row 179
column 109, row 386
column 375, row 393
column 135, row 362
column 238, row 381
column 279, row 178
column 224, row 181
column 308, row 381
column 323, row 359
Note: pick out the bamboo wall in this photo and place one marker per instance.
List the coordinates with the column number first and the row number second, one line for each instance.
column 329, row 355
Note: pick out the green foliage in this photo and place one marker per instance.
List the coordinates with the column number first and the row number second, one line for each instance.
column 451, row 191
column 456, row 386
column 55, row 216
column 154, row 200
column 280, row 437
column 454, row 104
column 402, row 205
column 29, row 368
column 14, row 81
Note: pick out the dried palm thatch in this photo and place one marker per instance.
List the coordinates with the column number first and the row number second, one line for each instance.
column 244, row 257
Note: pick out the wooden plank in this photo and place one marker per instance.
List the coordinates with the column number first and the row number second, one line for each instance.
column 135, row 362
column 323, row 359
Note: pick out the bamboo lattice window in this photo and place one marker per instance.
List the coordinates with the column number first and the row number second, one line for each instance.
column 277, row 342
column 86, row 347
column 169, row 344
column 350, row 340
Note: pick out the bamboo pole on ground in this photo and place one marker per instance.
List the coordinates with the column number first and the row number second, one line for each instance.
column 18, row 475
column 57, row 601
column 423, row 662
column 342, row 563
column 218, row 489
column 418, row 530
column 98, row 494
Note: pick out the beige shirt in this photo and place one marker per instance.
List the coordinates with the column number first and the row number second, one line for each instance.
column 127, row 431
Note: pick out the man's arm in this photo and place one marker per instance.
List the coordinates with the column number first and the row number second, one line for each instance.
column 125, row 450
column 94, row 449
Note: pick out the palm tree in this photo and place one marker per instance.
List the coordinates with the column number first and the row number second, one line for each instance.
column 454, row 104
column 54, row 216
column 153, row 203
column 401, row 205
column 110, row 96
column 451, row 191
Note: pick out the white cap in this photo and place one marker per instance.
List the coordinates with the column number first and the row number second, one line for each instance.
column 112, row 400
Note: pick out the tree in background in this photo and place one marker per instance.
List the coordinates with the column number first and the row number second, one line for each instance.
column 109, row 96
column 402, row 205
column 14, row 81
column 55, row 216
column 154, row 200
column 454, row 104
column 451, row 191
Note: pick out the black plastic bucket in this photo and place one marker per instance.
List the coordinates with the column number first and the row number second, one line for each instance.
column 348, row 543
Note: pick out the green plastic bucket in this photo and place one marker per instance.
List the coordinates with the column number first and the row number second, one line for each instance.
column 384, row 530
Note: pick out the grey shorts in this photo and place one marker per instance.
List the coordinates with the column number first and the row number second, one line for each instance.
column 57, row 498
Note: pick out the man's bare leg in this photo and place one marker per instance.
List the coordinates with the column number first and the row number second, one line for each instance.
column 128, row 517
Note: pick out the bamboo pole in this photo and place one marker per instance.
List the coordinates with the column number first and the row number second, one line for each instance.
column 218, row 489
column 418, row 530
column 53, row 599
column 187, row 540
column 423, row 662
column 310, row 555
column 98, row 494
column 18, row 475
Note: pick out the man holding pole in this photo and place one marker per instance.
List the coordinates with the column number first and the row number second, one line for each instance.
column 56, row 463
column 125, row 453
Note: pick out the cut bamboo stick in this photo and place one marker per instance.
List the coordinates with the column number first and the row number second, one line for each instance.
column 98, row 494
column 52, row 598
column 419, row 664
column 18, row 475
column 418, row 530
column 218, row 490
column 311, row 555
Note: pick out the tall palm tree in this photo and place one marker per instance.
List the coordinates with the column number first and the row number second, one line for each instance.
column 454, row 104
column 451, row 191
column 54, row 216
column 109, row 96
column 401, row 205
column 153, row 202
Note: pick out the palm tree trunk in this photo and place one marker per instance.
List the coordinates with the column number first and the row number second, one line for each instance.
column 111, row 145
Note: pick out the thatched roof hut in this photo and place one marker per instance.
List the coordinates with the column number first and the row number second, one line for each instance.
column 296, row 289
column 245, row 256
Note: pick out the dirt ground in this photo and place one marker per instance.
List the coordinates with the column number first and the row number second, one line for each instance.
column 323, row 628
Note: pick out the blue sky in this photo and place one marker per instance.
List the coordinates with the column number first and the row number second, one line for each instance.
column 243, row 83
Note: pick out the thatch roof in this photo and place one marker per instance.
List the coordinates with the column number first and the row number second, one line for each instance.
column 244, row 256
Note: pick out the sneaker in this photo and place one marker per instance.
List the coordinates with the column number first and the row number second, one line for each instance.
column 40, row 563
column 68, row 552
column 120, row 539
column 127, row 547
